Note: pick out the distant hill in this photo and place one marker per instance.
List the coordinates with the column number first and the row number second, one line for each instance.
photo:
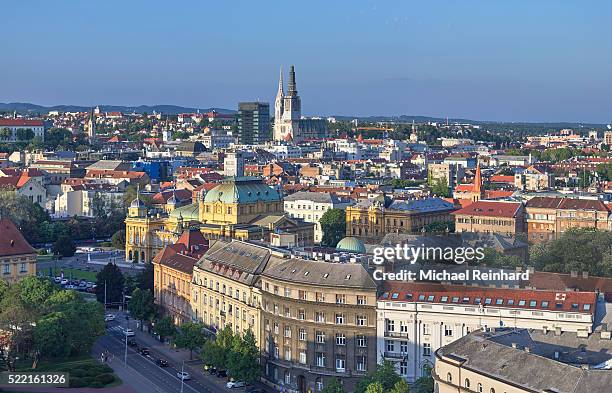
column 23, row 107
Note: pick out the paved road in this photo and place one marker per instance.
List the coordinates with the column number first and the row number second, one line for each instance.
column 97, row 261
column 144, row 375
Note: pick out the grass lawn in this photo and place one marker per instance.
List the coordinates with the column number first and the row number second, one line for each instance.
column 71, row 272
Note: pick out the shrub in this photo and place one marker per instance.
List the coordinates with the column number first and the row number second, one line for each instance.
column 105, row 379
column 76, row 383
column 77, row 372
column 96, row 385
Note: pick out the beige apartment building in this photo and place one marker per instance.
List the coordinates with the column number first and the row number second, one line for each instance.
column 319, row 322
column 226, row 286
column 491, row 217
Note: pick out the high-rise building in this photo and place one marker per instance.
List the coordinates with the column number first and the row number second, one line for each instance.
column 253, row 123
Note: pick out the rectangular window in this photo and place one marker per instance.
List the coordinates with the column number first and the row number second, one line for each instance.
column 426, row 329
column 339, row 319
column 319, row 297
column 390, row 325
column 303, row 357
column 302, row 295
column 403, row 368
column 448, row 331
column 361, row 363
column 287, row 331
column 340, row 299
column 340, row 364
column 320, row 359
column 303, row 334
column 287, row 292
column 361, row 320
column 320, row 317
column 340, row 339
column 390, row 345
column 426, row 349
column 361, row 341
column 320, row 338
column 361, row 300
column 302, row 314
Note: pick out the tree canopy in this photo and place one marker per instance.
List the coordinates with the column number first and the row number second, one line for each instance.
column 333, row 225
column 111, row 278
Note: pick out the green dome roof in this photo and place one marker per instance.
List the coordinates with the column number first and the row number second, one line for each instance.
column 189, row 212
column 351, row 244
column 242, row 190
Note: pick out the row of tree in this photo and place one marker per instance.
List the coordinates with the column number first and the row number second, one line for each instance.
column 39, row 320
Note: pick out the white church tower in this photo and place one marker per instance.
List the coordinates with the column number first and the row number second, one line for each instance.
column 287, row 110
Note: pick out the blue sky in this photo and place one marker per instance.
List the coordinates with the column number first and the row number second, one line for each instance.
column 489, row 60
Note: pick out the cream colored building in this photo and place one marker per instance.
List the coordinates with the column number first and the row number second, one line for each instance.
column 226, row 287
column 414, row 320
column 17, row 257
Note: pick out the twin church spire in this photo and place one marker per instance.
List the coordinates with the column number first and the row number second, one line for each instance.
column 287, row 109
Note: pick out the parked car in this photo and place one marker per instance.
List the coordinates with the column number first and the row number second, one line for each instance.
column 222, row 373
column 144, row 351
column 109, row 317
column 132, row 343
column 253, row 389
column 57, row 280
column 184, row 375
column 161, row 362
column 64, row 281
column 212, row 371
column 235, row 384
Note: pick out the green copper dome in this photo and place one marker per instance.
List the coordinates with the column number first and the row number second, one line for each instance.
column 242, row 190
column 189, row 212
column 351, row 244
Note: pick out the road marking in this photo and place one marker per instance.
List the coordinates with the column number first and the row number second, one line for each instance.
column 160, row 368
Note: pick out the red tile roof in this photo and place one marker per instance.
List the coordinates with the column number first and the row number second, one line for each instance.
column 490, row 209
column 21, row 123
column 463, row 295
column 567, row 204
column 12, row 241
column 502, row 179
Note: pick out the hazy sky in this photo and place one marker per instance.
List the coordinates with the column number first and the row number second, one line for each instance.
column 490, row 60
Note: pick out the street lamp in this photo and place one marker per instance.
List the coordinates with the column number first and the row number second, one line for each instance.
column 182, row 376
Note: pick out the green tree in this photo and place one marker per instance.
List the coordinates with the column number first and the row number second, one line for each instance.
column 577, row 249
column 424, row 384
column 218, row 354
column 189, row 336
column 164, row 327
column 333, row 385
column 142, row 305
column 375, row 387
column 118, row 239
column 24, row 134
column 145, row 277
column 440, row 227
column 111, row 278
column 400, row 386
column 33, row 291
column 333, row 225
column 384, row 374
column 99, row 206
column 51, row 336
column 242, row 361
column 5, row 133
column 25, row 214
column 63, row 246
column 440, row 187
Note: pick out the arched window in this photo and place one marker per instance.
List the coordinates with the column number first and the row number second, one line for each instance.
column 449, row 377
column 491, row 390
column 479, row 388
column 467, row 383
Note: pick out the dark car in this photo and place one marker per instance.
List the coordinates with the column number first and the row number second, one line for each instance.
column 212, row 371
column 132, row 343
column 253, row 389
column 222, row 373
column 161, row 362
column 144, row 351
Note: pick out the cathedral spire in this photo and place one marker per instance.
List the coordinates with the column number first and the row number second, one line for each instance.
column 281, row 91
column 292, row 87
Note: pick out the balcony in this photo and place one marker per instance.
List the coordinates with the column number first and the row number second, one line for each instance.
column 396, row 334
column 395, row 355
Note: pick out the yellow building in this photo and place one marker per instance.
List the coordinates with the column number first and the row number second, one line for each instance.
column 17, row 257
column 241, row 208
column 372, row 219
column 226, row 289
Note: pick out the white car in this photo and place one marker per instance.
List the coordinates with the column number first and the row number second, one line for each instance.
column 109, row 317
column 128, row 332
column 64, row 281
column 235, row 384
column 184, row 375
